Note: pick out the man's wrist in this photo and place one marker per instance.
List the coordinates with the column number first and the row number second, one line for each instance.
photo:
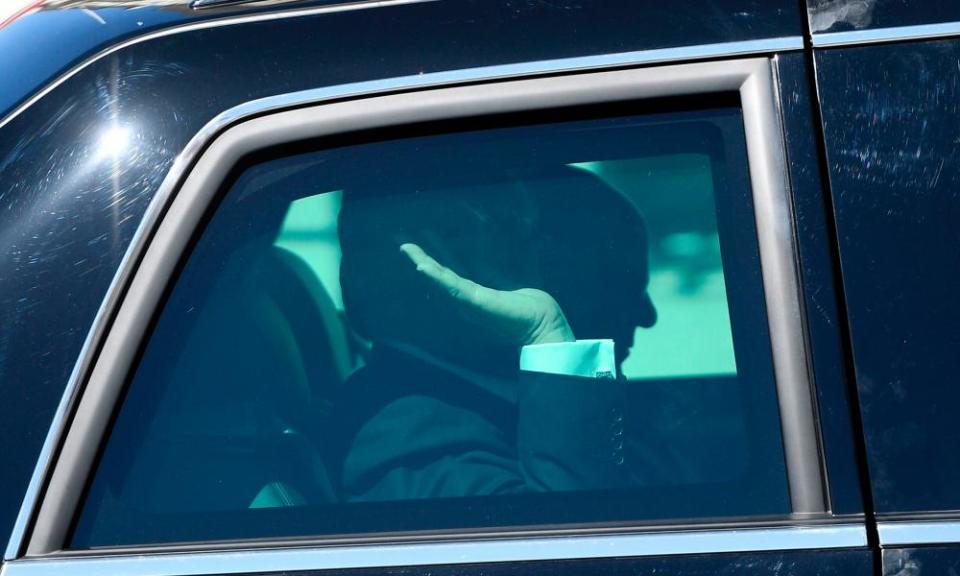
column 554, row 336
column 553, row 329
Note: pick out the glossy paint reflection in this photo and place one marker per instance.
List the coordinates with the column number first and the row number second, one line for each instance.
column 846, row 15
column 113, row 142
column 73, row 187
column 64, row 32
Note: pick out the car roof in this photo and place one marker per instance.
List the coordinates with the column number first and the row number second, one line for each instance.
column 49, row 37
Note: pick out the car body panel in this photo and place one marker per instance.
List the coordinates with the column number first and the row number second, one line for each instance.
column 855, row 15
column 890, row 125
column 93, row 117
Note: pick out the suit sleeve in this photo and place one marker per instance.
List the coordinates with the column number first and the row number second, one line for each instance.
column 569, row 436
column 570, row 421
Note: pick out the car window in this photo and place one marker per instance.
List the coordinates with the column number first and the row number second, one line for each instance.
column 460, row 328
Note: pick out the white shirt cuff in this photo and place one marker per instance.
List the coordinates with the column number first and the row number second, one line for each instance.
column 585, row 358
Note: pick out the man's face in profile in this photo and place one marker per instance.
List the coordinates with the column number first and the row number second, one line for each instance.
column 593, row 247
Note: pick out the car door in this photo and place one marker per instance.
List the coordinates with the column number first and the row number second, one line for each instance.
column 764, row 502
column 886, row 77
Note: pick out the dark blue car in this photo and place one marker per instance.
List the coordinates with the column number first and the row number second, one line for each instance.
column 480, row 287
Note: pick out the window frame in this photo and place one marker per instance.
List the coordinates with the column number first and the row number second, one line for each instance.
column 165, row 239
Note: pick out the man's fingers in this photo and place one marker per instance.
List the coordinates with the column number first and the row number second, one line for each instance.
column 418, row 256
column 453, row 283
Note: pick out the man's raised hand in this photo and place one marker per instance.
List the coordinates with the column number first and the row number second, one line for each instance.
column 513, row 317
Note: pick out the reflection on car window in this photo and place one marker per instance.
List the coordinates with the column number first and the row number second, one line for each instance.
column 528, row 325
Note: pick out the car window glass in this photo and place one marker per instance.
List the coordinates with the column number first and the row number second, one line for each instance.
column 538, row 324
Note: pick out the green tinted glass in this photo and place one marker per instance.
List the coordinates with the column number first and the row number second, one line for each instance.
column 543, row 324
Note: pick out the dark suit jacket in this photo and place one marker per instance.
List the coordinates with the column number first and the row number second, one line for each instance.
column 411, row 429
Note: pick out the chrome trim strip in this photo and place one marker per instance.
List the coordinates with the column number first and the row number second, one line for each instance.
column 498, row 72
column 486, row 551
column 309, row 97
column 200, row 4
column 908, row 533
column 678, row 54
column 882, row 35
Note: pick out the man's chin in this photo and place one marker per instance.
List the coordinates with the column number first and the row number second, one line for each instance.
column 621, row 353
